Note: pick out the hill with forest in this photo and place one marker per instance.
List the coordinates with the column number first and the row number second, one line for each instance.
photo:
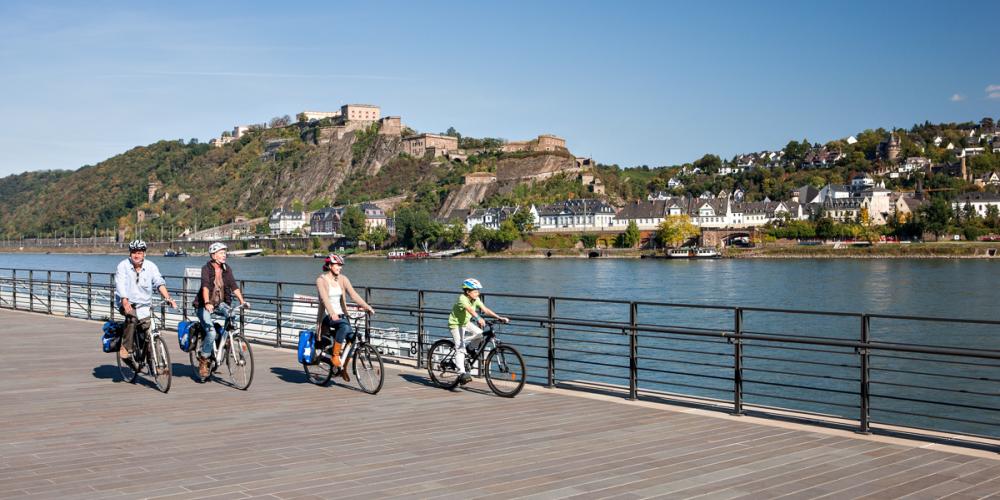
column 297, row 166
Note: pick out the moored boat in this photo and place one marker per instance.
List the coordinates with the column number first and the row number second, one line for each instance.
column 406, row 255
column 693, row 253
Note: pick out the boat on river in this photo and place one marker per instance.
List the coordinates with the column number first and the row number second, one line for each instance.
column 693, row 253
column 407, row 255
column 246, row 253
column 172, row 253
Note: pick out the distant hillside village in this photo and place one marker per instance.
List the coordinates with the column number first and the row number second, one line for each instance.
column 885, row 186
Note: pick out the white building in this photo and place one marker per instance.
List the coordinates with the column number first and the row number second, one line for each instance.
column 576, row 215
column 286, row 221
column 980, row 202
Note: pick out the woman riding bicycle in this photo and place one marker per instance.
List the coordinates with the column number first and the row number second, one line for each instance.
column 460, row 322
column 333, row 288
column 215, row 296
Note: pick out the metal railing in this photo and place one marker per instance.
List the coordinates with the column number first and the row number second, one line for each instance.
column 851, row 367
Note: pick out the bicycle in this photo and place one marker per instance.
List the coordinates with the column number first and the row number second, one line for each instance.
column 366, row 363
column 149, row 352
column 231, row 346
column 505, row 369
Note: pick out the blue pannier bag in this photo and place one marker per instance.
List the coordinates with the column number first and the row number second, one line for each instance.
column 307, row 351
column 111, row 338
column 185, row 335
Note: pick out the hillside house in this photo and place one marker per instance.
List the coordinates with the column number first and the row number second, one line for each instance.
column 580, row 215
column 284, row 221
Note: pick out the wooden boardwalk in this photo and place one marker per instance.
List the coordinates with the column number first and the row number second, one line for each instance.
column 70, row 429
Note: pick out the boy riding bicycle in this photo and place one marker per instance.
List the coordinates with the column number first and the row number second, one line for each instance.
column 460, row 321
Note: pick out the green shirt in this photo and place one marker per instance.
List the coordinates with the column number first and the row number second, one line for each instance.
column 459, row 315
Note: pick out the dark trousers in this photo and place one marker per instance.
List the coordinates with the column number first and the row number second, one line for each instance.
column 341, row 328
column 131, row 322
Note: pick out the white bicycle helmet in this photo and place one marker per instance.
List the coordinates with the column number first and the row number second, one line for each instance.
column 472, row 284
column 215, row 247
column 137, row 245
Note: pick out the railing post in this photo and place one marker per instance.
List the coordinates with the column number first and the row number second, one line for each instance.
column 111, row 297
column 420, row 329
column 13, row 287
column 48, row 291
column 243, row 321
column 90, row 298
column 278, row 315
column 69, row 293
column 368, row 319
column 552, row 343
column 184, row 297
column 864, row 426
column 31, row 290
column 738, row 361
column 633, row 351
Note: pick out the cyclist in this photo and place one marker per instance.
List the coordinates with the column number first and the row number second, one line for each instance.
column 460, row 321
column 215, row 298
column 135, row 280
column 331, row 317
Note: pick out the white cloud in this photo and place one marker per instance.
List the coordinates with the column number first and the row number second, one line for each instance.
column 993, row 91
column 956, row 97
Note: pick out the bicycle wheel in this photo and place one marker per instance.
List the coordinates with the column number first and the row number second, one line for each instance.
column 368, row 369
column 193, row 358
column 505, row 371
column 127, row 369
column 320, row 373
column 159, row 364
column 441, row 364
column 239, row 361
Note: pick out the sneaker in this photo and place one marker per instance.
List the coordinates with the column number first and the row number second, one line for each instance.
column 464, row 378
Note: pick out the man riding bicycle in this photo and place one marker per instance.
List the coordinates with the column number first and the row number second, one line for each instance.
column 460, row 322
column 135, row 280
column 215, row 298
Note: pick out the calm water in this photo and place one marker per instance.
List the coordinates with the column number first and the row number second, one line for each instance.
column 821, row 380
column 948, row 288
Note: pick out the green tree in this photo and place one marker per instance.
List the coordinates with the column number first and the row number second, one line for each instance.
column 589, row 240
column 675, row 230
column 376, row 236
column 825, row 228
column 937, row 216
column 524, row 221
column 453, row 234
column 507, row 233
column 352, row 223
column 630, row 238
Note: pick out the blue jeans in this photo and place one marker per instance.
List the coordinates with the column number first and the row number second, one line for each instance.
column 340, row 328
column 222, row 311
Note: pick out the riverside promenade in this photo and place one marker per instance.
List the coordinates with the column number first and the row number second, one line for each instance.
column 71, row 429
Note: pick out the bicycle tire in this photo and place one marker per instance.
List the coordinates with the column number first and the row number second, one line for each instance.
column 240, row 360
column 320, row 373
column 442, row 352
column 128, row 371
column 159, row 364
column 508, row 371
column 370, row 375
column 193, row 358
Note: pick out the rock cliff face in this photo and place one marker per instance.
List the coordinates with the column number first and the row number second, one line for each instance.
column 324, row 168
column 464, row 198
column 537, row 167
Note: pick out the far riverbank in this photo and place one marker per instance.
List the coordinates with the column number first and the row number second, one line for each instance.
column 933, row 250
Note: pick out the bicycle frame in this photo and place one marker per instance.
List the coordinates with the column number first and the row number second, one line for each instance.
column 225, row 337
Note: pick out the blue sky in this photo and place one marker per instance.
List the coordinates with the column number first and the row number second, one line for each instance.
column 631, row 83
